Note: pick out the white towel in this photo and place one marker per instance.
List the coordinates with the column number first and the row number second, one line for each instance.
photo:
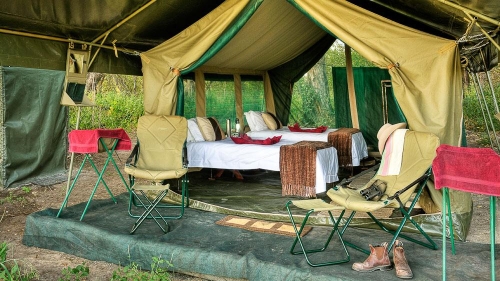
column 393, row 154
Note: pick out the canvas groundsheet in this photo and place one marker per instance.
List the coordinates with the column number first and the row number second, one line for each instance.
column 196, row 244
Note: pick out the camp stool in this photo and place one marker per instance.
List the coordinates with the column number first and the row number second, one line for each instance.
column 312, row 206
column 98, row 140
column 453, row 170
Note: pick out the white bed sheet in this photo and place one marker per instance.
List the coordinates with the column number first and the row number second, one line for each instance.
column 359, row 148
column 225, row 154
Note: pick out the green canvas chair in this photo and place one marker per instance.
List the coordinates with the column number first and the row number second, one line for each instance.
column 419, row 150
column 158, row 156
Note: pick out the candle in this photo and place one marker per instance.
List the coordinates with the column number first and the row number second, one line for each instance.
column 228, row 127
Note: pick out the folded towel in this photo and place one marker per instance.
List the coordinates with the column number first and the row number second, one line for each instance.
column 296, row 128
column 475, row 170
column 87, row 141
column 245, row 139
column 392, row 156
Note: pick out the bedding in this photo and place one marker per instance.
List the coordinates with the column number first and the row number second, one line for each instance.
column 225, row 154
column 359, row 148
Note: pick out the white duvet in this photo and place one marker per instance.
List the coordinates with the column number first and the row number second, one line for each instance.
column 359, row 148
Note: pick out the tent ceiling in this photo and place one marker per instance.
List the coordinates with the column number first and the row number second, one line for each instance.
column 88, row 20
column 269, row 39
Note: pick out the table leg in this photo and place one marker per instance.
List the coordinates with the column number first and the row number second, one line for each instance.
column 492, row 234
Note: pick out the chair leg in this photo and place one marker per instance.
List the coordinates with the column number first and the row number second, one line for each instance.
column 342, row 232
column 299, row 239
column 184, row 202
column 149, row 208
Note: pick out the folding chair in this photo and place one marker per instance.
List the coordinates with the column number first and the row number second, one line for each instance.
column 474, row 170
column 158, row 156
column 418, row 151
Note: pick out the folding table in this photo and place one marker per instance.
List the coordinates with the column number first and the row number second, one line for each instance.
column 89, row 142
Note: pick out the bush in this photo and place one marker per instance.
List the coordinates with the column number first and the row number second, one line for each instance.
column 113, row 110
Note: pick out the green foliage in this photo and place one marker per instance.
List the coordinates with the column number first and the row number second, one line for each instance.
column 307, row 107
column 473, row 114
column 76, row 273
column 10, row 270
column 113, row 110
column 132, row 272
column 11, row 198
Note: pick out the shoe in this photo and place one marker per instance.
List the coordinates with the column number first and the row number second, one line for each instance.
column 403, row 270
column 378, row 260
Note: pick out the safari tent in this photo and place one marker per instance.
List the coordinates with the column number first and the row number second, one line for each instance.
column 420, row 43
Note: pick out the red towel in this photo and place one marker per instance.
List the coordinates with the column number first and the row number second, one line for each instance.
column 297, row 128
column 86, row 141
column 245, row 139
column 475, row 170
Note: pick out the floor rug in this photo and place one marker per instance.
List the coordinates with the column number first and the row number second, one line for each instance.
column 261, row 225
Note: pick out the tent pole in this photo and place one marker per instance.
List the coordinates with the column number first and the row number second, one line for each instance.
column 106, row 33
column 27, row 34
column 482, row 102
column 466, row 10
column 70, row 170
column 350, row 87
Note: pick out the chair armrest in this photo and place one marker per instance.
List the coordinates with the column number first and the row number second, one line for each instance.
column 424, row 177
column 133, row 156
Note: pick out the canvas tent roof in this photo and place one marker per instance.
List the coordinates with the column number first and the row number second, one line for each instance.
column 160, row 20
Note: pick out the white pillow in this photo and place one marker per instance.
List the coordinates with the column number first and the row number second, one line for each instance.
column 194, row 133
column 250, row 121
column 258, row 121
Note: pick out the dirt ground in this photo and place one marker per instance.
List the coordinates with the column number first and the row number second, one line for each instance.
column 16, row 204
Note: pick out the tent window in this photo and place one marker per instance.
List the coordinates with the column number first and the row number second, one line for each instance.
column 220, row 100
column 253, row 95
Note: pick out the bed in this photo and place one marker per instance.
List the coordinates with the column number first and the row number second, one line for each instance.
column 225, row 154
column 358, row 150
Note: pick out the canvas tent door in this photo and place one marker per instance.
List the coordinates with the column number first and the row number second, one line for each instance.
column 33, row 140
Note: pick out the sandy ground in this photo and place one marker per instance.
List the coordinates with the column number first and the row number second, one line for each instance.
column 17, row 204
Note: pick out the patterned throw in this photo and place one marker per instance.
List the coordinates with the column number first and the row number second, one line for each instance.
column 341, row 139
column 298, row 167
column 393, row 154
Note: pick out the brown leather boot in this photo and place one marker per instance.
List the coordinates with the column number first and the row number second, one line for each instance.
column 403, row 270
column 378, row 260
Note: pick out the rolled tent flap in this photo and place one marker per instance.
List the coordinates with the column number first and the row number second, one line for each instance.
column 163, row 64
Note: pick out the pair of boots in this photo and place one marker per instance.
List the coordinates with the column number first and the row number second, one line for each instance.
column 379, row 260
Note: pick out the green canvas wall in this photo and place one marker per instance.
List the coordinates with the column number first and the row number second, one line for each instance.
column 368, row 88
column 33, row 140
